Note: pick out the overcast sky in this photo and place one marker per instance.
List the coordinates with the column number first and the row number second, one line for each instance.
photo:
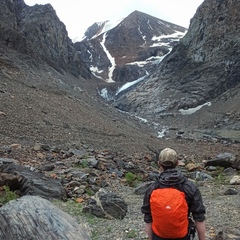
column 79, row 15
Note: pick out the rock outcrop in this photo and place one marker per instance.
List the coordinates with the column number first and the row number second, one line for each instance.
column 38, row 32
column 28, row 182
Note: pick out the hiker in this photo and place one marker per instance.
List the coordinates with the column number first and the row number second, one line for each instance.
column 170, row 201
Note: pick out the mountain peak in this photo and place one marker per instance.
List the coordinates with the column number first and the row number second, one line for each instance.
column 136, row 13
column 124, row 49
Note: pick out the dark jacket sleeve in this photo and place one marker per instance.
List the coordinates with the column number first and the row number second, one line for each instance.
column 145, row 209
column 195, row 202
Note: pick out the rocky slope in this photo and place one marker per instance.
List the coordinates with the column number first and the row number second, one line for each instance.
column 38, row 105
column 44, row 93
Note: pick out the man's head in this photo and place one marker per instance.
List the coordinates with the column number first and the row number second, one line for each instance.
column 168, row 158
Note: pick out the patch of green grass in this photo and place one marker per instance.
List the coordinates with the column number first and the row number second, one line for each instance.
column 132, row 179
column 95, row 235
column 220, row 179
column 70, row 206
column 89, row 192
column 89, row 217
column 7, row 196
column 219, row 170
column 83, row 163
column 92, row 220
column 131, row 233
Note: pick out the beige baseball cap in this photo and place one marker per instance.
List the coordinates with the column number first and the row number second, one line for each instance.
column 168, row 157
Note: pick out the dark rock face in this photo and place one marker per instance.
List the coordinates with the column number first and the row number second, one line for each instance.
column 203, row 67
column 37, row 31
column 126, row 50
column 31, row 183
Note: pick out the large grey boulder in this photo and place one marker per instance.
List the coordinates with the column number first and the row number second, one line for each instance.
column 32, row 217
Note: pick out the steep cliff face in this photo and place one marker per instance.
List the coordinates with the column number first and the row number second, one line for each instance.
column 200, row 68
column 128, row 49
column 38, row 32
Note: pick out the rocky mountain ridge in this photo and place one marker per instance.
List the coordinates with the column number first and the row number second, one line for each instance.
column 47, row 92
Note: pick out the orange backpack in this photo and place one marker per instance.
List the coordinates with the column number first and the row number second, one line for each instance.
column 169, row 213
